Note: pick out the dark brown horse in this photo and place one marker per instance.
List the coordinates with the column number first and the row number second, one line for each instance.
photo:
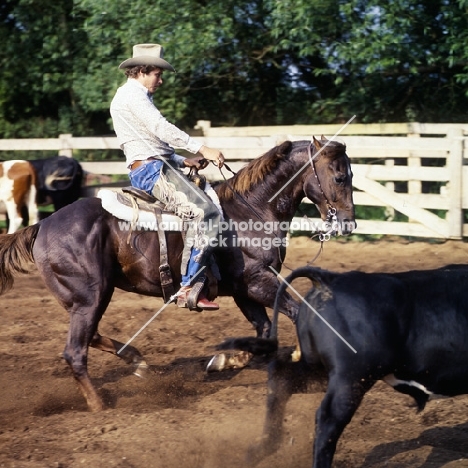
column 83, row 254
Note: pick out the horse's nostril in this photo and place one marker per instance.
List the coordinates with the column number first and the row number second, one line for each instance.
column 352, row 225
column 347, row 226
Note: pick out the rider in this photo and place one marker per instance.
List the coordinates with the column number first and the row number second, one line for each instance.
column 147, row 139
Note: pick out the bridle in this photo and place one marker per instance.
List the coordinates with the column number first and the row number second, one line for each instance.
column 331, row 219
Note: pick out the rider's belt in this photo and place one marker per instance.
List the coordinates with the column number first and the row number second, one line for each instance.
column 137, row 164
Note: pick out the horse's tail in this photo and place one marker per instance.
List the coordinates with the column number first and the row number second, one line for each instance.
column 15, row 254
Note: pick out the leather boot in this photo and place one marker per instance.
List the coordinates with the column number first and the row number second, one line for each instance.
column 202, row 301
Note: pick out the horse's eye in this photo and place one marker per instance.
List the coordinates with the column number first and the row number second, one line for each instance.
column 340, row 180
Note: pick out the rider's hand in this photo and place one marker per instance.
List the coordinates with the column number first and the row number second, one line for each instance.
column 198, row 162
column 212, row 155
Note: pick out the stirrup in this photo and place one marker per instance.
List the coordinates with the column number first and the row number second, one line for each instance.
column 189, row 297
column 196, row 292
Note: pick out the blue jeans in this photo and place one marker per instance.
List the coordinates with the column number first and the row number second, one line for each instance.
column 147, row 175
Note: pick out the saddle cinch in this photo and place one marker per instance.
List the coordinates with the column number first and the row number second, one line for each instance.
column 146, row 212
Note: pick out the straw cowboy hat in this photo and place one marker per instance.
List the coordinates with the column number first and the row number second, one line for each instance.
column 147, row 54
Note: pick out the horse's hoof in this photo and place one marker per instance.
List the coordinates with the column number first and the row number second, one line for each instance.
column 296, row 354
column 216, row 363
column 142, row 370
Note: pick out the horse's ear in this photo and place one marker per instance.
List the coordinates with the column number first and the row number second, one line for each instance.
column 317, row 143
column 323, row 138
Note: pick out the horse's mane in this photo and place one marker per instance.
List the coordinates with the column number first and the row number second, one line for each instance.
column 255, row 171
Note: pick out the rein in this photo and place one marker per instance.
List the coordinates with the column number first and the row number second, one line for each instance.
column 331, row 211
column 246, row 203
column 237, row 194
column 331, row 220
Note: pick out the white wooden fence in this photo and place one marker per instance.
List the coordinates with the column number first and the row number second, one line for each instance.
column 383, row 155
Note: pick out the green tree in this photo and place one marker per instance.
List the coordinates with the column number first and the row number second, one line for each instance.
column 404, row 60
column 238, row 62
column 36, row 87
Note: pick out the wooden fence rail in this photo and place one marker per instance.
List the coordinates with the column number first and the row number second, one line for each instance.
column 395, row 166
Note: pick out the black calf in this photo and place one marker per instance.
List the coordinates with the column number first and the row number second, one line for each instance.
column 58, row 180
column 409, row 329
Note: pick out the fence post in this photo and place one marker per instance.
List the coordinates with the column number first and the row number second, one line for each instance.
column 66, row 145
column 455, row 168
column 203, row 125
column 389, row 210
column 414, row 186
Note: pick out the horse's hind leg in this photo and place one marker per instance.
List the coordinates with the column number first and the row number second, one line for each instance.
column 129, row 354
column 80, row 334
column 78, row 267
column 85, row 313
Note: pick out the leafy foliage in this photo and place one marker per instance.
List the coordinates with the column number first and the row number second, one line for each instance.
column 260, row 62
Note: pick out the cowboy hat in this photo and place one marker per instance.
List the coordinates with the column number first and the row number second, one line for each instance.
column 147, row 54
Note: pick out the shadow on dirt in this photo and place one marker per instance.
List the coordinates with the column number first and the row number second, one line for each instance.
column 447, row 443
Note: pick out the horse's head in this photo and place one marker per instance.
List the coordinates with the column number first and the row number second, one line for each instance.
column 329, row 185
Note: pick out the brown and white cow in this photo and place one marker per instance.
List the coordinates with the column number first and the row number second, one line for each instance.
column 18, row 192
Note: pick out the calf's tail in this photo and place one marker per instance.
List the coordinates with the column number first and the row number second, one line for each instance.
column 15, row 254
column 316, row 275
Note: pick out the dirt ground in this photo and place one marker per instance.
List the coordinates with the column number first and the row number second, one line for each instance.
column 182, row 417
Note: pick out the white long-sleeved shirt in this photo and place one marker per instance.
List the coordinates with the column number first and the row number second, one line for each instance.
column 142, row 131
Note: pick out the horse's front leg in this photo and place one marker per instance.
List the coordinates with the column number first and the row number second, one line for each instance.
column 128, row 353
column 261, row 292
column 262, row 287
column 256, row 314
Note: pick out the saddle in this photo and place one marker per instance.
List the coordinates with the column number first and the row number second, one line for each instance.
column 140, row 194
column 144, row 211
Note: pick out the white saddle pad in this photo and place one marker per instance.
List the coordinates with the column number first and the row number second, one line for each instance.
column 140, row 219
